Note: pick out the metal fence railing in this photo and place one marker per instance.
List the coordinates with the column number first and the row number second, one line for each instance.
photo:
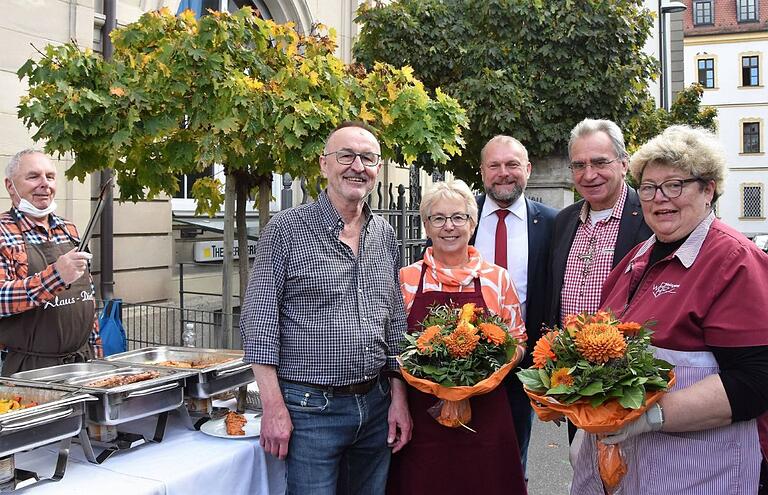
column 153, row 325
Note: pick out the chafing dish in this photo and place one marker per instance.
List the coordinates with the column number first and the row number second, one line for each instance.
column 57, row 416
column 116, row 405
column 119, row 404
column 228, row 371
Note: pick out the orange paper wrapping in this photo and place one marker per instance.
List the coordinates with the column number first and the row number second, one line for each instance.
column 606, row 418
column 456, row 410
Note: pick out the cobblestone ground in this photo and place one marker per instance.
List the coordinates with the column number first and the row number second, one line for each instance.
column 549, row 472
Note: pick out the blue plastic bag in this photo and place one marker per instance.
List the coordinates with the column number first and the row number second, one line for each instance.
column 113, row 339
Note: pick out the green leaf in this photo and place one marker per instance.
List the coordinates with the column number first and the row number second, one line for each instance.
column 531, row 379
column 544, row 377
column 592, row 389
column 633, row 397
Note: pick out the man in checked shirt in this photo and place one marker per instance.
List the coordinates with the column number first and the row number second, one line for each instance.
column 322, row 321
column 47, row 306
column 591, row 236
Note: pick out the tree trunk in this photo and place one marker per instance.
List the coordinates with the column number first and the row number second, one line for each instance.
column 242, row 237
column 230, row 192
column 265, row 194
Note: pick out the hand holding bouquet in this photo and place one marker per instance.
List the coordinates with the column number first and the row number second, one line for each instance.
column 601, row 374
column 460, row 353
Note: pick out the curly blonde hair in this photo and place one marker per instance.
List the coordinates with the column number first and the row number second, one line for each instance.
column 690, row 149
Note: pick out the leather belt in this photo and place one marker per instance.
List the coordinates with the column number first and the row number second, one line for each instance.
column 361, row 388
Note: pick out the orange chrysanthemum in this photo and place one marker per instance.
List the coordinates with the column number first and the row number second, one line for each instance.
column 462, row 341
column 428, row 339
column 561, row 376
column 468, row 312
column 542, row 351
column 494, row 333
column 629, row 328
column 599, row 342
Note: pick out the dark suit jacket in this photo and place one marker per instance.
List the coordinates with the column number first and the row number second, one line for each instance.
column 541, row 219
column 632, row 231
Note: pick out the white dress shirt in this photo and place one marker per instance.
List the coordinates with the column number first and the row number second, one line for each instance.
column 517, row 241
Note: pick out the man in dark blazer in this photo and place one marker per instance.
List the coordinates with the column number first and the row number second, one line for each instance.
column 505, row 170
column 591, row 236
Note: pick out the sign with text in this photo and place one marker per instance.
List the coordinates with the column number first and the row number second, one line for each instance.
column 214, row 251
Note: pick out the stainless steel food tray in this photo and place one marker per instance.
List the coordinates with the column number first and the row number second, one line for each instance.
column 120, row 404
column 205, row 382
column 58, row 415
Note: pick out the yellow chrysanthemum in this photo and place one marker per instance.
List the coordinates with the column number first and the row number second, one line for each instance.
column 493, row 333
column 426, row 341
column 561, row 376
column 468, row 313
column 599, row 342
column 462, row 341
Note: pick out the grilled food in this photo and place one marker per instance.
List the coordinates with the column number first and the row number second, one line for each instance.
column 235, row 423
column 203, row 363
column 120, row 380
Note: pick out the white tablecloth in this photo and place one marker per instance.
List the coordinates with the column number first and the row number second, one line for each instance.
column 185, row 463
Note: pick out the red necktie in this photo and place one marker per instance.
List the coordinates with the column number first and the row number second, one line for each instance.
column 500, row 256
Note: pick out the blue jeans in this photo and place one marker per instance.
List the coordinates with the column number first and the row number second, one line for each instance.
column 339, row 443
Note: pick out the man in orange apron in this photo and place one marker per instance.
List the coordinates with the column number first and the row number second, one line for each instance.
column 47, row 305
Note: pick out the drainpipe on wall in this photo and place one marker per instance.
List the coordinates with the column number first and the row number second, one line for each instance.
column 106, row 244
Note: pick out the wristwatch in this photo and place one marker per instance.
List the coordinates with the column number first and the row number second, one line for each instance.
column 655, row 416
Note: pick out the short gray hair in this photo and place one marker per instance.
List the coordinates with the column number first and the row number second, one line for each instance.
column 588, row 127
column 693, row 150
column 452, row 190
column 502, row 139
column 15, row 161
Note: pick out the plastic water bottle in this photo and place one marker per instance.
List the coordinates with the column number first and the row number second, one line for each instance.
column 188, row 337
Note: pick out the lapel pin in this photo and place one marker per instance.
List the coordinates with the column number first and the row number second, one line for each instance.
column 535, row 220
column 634, row 213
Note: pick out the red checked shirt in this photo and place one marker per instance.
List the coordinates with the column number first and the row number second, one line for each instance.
column 590, row 260
column 20, row 291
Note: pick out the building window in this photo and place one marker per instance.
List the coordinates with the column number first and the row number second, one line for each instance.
column 750, row 68
column 752, row 201
column 187, row 181
column 706, row 72
column 751, row 137
column 702, row 12
column 747, row 10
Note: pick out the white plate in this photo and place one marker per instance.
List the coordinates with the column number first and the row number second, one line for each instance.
column 217, row 428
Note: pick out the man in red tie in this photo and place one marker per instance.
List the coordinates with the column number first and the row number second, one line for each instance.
column 515, row 233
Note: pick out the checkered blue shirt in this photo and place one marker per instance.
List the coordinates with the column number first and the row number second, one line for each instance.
column 316, row 311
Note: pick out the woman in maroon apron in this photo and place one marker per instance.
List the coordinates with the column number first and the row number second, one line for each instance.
column 57, row 331
column 439, row 459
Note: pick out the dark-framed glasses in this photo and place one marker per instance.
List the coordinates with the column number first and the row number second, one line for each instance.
column 347, row 157
column 596, row 164
column 671, row 188
column 457, row 219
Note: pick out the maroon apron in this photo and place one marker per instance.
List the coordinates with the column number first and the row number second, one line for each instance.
column 57, row 331
column 443, row 460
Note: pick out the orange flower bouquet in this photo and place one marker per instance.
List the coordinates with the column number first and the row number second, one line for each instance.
column 460, row 353
column 599, row 373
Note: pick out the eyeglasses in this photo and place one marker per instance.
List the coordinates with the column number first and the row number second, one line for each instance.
column 457, row 219
column 347, row 157
column 598, row 164
column 671, row 188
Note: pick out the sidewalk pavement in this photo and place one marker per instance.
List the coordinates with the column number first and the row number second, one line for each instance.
column 549, row 472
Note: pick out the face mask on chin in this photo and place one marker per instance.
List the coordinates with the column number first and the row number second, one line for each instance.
column 32, row 210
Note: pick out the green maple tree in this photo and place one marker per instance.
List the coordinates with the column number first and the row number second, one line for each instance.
column 181, row 94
